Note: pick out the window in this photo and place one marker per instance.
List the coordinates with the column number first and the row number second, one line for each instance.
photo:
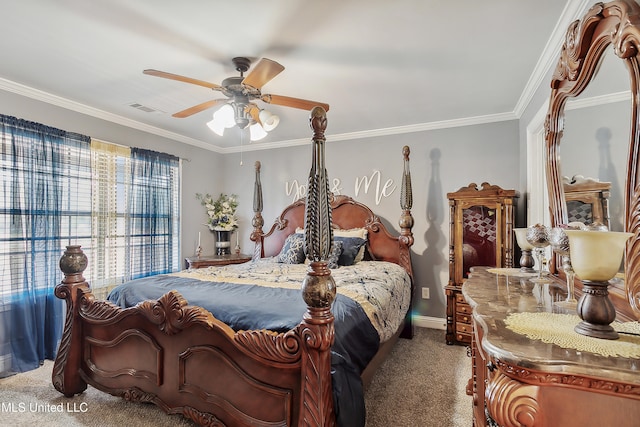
column 135, row 215
column 58, row 188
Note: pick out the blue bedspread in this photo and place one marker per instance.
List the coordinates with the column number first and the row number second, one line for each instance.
column 246, row 307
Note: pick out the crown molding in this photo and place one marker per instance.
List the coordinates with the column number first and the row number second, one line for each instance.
column 374, row 133
column 39, row 95
column 573, row 10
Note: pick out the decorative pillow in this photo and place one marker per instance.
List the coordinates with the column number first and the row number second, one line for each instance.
column 353, row 239
column 293, row 250
column 354, row 232
column 351, row 246
column 336, row 250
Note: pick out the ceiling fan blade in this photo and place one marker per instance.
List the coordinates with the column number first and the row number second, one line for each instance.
column 200, row 107
column 254, row 112
column 263, row 72
column 287, row 101
column 182, row 79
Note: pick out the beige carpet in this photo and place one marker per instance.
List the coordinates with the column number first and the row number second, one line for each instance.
column 422, row 384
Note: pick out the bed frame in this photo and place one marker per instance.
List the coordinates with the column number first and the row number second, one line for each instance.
column 182, row 359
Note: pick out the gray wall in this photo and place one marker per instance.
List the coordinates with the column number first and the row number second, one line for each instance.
column 441, row 161
column 595, row 144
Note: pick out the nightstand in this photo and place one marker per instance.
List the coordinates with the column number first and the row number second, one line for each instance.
column 216, row 260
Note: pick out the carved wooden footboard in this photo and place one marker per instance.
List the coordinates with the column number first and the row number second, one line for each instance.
column 185, row 361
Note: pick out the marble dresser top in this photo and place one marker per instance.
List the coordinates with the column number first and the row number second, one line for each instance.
column 494, row 296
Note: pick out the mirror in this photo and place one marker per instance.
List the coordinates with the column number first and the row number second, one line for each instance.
column 603, row 37
column 594, row 145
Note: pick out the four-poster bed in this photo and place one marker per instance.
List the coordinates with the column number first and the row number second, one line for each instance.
column 185, row 360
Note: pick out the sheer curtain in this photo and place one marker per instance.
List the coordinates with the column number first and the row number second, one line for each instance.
column 44, row 206
column 154, row 213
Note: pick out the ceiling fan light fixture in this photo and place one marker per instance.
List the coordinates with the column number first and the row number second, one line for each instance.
column 226, row 116
column 216, row 126
column 269, row 120
column 256, row 132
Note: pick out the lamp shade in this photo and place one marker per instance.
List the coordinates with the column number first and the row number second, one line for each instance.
column 596, row 255
column 269, row 121
column 216, row 126
column 521, row 238
column 256, row 132
column 225, row 115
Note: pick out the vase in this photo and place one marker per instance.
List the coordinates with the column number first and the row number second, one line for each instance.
column 223, row 242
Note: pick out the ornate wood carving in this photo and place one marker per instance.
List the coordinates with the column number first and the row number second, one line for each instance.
column 574, row 381
column 406, row 219
column 257, row 220
column 511, row 403
column 172, row 314
column 617, row 24
column 270, row 345
column 72, row 289
column 318, row 288
column 201, row 418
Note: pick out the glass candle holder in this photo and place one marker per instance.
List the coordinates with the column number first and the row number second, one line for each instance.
column 560, row 244
column 538, row 237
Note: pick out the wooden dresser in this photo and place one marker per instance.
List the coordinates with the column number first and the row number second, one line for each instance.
column 517, row 381
column 480, row 233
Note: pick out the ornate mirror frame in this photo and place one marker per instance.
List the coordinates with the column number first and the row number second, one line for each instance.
column 617, row 24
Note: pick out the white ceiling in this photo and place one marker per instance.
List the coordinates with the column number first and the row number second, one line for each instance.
column 382, row 66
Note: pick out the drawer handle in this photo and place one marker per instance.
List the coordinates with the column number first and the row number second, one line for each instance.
column 491, row 366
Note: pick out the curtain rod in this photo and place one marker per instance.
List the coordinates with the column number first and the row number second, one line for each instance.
column 127, row 146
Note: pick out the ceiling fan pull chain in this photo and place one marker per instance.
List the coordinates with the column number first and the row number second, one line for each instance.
column 241, row 144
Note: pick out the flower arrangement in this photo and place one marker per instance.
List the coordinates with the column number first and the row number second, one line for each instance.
column 221, row 212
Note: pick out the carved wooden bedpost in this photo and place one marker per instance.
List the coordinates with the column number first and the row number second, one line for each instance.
column 406, row 219
column 406, row 235
column 66, row 369
column 318, row 288
column 257, row 221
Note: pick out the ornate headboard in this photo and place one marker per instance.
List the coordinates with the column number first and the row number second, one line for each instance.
column 346, row 213
column 605, row 25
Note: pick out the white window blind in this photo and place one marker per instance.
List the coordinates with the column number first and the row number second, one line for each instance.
column 108, row 257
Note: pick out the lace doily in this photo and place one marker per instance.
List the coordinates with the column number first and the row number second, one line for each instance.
column 555, row 328
column 516, row 272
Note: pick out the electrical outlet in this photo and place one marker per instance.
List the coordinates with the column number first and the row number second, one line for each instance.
column 425, row 293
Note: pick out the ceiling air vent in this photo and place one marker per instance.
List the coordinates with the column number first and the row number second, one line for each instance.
column 144, row 108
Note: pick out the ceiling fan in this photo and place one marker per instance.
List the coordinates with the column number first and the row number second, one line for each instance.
column 238, row 108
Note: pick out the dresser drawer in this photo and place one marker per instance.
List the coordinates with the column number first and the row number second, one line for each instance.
column 463, row 318
column 463, row 338
column 464, row 328
column 460, row 298
column 463, row 309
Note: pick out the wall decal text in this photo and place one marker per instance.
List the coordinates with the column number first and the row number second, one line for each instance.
column 386, row 189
